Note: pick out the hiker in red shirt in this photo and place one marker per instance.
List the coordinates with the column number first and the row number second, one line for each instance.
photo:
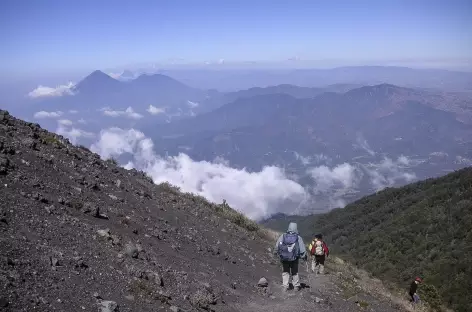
column 319, row 250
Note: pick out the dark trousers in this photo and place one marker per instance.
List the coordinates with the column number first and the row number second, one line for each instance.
column 320, row 259
column 290, row 268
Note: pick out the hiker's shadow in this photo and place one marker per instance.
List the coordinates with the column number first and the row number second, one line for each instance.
column 302, row 285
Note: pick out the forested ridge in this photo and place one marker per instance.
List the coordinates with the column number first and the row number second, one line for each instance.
column 422, row 229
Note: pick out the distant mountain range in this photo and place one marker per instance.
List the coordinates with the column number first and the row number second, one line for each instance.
column 237, row 79
column 99, row 90
column 345, row 139
column 391, row 119
column 382, row 127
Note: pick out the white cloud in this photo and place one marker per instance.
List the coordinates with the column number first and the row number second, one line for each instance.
column 128, row 113
column 155, row 110
column 256, row 194
column 65, row 122
column 304, row 160
column 73, row 134
column 115, row 75
column 72, row 111
column 344, row 176
column 192, row 104
column 362, row 143
column 43, row 91
column 337, row 182
column 389, row 172
column 44, row 114
column 315, row 159
column 463, row 161
column 82, row 121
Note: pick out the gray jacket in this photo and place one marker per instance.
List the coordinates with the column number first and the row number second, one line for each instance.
column 292, row 228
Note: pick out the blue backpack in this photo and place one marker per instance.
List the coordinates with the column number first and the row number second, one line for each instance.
column 288, row 248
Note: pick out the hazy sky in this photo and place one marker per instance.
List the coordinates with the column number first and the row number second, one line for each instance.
column 61, row 35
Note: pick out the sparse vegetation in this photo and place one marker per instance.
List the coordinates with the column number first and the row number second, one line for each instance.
column 50, row 139
column 112, row 161
column 237, row 217
column 223, row 210
column 171, row 188
column 82, row 147
column 141, row 288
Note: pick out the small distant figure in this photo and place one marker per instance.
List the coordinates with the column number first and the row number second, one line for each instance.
column 319, row 251
column 413, row 287
column 290, row 248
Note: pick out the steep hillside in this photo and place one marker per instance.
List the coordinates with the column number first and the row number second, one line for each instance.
column 424, row 228
column 81, row 234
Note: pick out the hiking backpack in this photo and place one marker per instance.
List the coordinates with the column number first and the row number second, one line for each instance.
column 288, row 248
column 320, row 250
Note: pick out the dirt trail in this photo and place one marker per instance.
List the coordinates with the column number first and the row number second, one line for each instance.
column 319, row 293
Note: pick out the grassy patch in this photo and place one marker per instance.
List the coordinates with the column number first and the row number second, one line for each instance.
column 82, row 147
column 236, row 217
column 112, row 161
column 363, row 304
column 141, row 288
column 49, row 139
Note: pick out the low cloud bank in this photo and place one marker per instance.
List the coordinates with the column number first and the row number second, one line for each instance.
column 155, row 110
column 65, row 128
column 128, row 113
column 388, row 172
column 43, row 91
column 332, row 185
column 44, row 114
column 256, row 194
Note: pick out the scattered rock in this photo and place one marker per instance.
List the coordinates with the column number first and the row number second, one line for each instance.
column 5, row 165
column 203, row 298
column 50, row 209
column 3, row 301
column 115, row 240
column 54, row 262
column 175, row 309
column 129, row 297
column 131, row 250
column 104, row 233
column 97, row 296
column 108, row 306
column 263, row 282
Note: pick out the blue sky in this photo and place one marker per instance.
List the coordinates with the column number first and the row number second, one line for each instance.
column 65, row 35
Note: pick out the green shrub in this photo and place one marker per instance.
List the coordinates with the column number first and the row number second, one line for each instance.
column 112, row 161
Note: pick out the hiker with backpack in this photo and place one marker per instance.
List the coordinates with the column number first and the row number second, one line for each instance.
column 319, row 251
column 290, row 248
column 414, row 298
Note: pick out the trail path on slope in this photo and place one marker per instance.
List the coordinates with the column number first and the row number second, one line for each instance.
column 318, row 293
